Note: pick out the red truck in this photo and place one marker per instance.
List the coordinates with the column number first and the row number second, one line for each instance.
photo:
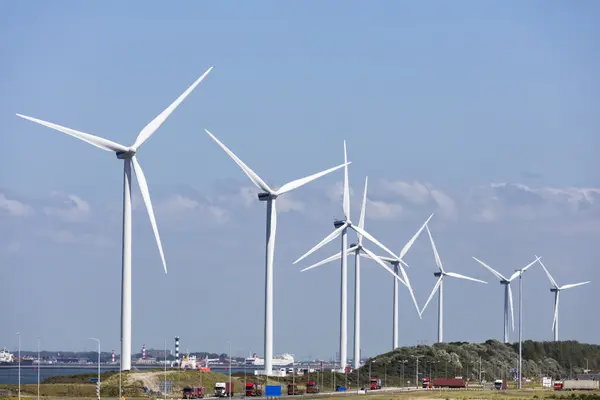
column 312, row 387
column 449, row 383
column 292, row 390
column 193, row 392
column 426, row 383
column 375, row 383
column 253, row 390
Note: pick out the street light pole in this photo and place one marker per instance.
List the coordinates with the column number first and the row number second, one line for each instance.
column 417, row 372
column 19, row 340
column 120, row 371
column 98, row 340
column 165, row 370
column 520, row 329
column 38, row 369
column 230, row 388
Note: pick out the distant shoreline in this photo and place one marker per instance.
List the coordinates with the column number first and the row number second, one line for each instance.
column 109, row 366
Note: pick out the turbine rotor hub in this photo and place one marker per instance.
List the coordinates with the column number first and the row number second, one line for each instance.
column 266, row 196
column 126, row 155
column 338, row 223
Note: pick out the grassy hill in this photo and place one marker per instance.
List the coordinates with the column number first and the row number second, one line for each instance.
column 556, row 359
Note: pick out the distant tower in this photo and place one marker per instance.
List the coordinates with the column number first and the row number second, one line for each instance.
column 112, row 357
column 177, row 349
column 143, row 352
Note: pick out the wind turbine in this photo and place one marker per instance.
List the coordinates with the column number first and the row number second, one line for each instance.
column 359, row 250
column 128, row 155
column 508, row 297
column 556, row 289
column 341, row 229
column 270, row 196
column 395, row 262
column 439, row 285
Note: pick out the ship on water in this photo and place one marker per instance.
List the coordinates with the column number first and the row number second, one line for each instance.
column 7, row 358
column 280, row 361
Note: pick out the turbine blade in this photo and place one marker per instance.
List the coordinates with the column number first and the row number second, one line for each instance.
column 410, row 289
column 409, row 244
column 346, row 187
column 435, row 288
column 379, row 261
column 435, row 252
column 97, row 141
column 146, row 197
column 388, row 259
column 459, row 276
column 162, row 117
column 251, row 174
column 572, row 285
column 334, row 257
column 323, row 242
column 512, row 311
column 492, row 270
column 525, row 268
column 367, row 235
column 552, row 281
column 303, row 181
column 361, row 220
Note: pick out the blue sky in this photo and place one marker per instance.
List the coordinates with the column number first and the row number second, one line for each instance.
column 485, row 113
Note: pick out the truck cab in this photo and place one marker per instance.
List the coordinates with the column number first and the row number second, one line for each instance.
column 190, row 392
column 220, row 389
column 253, row 390
column 312, row 387
column 375, row 383
column 426, row 383
column 292, row 390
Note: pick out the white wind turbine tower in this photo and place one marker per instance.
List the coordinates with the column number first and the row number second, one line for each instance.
column 439, row 286
column 128, row 155
column 508, row 298
column 341, row 229
column 359, row 250
column 270, row 195
column 556, row 289
column 395, row 262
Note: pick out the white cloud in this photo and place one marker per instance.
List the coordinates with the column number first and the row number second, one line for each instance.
column 383, row 210
column 336, row 192
column 422, row 195
column 14, row 207
column 503, row 200
column 249, row 195
column 287, row 203
column 179, row 205
column 445, row 205
column 73, row 208
column 417, row 193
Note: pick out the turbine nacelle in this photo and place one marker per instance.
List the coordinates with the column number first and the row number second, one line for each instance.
column 504, row 282
column 554, row 289
column 438, row 274
column 339, row 223
column 266, row 196
column 125, row 155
